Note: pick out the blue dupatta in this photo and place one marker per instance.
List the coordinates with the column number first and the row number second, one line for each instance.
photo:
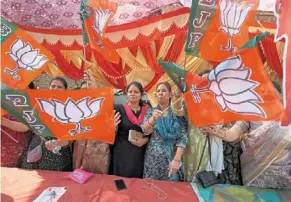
column 169, row 128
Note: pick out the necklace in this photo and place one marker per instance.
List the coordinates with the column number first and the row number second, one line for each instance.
column 161, row 195
column 135, row 109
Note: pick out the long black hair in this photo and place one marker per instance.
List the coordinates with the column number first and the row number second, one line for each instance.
column 140, row 88
column 31, row 85
column 62, row 80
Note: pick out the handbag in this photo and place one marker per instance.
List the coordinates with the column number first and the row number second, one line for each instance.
column 135, row 135
column 206, row 178
column 35, row 154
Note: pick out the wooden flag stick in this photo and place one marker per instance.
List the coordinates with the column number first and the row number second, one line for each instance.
column 12, row 138
column 165, row 110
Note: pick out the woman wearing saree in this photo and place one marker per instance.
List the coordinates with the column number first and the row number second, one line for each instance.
column 225, row 158
column 168, row 128
column 266, row 158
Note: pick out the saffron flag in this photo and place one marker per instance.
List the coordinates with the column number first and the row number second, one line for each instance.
column 218, row 28
column 95, row 16
column 22, row 58
column 283, row 13
column 237, row 89
column 66, row 115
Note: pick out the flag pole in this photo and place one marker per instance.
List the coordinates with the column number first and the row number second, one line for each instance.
column 12, row 138
column 81, row 13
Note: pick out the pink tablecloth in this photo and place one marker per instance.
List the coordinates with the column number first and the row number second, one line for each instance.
column 26, row 185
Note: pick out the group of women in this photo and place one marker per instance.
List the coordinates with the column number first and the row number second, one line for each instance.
column 152, row 142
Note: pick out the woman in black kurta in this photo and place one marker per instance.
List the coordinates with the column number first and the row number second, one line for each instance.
column 128, row 157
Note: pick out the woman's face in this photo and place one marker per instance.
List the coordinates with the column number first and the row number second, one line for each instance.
column 57, row 85
column 163, row 94
column 133, row 94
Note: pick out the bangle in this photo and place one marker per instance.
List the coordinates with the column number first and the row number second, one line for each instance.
column 177, row 160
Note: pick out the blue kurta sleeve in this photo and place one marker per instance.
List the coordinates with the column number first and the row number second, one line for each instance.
column 146, row 118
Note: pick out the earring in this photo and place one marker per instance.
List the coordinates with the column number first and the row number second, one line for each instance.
column 146, row 97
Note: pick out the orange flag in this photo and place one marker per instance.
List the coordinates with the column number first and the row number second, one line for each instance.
column 283, row 13
column 96, row 16
column 218, row 28
column 237, row 89
column 22, row 58
column 66, row 115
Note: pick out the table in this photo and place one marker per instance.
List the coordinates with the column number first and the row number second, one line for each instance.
column 27, row 185
column 232, row 193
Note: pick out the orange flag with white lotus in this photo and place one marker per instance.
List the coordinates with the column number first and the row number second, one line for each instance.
column 96, row 16
column 237, row 89
column 218, row 28
column 22, row 58
column 66, row 115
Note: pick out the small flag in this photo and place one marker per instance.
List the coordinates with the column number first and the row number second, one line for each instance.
column 23, row 59
column 218, row 28
column 96, row 16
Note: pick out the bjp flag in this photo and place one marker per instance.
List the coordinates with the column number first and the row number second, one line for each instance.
column 22, row 58
column 283, row 13
column 95, row 16
column 66, row 115
column 237, row 89
column 218, row 28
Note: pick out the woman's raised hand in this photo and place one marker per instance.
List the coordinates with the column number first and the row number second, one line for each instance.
column 177, row 98
column 157, row 114
column 52, row 144
column 91, row 82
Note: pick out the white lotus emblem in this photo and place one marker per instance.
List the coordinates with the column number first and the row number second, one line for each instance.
column 25, row 57
column 232, row 17
column 101, row 18
column 72, row 112
column 233, row 89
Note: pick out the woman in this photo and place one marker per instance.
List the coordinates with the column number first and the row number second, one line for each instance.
column 266, row 158
column 168, row 129
column 15, row 137
column 92, row 155
column 49, row 159
column 194, row 149
column 225, row 158
column 128, row 155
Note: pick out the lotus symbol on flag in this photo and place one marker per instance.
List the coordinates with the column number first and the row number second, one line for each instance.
column 72, row 112
column 25, row 57
column 232, row 17
column 101, row 18
column 234, row 91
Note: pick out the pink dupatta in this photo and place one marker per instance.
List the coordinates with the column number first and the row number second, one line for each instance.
column 132, row 118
